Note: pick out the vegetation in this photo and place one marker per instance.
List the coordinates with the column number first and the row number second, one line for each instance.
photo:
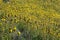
column 29, row 20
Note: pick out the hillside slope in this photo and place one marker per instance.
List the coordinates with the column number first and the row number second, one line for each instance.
column 30, row 19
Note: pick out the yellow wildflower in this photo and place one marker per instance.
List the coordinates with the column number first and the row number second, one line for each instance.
column 17, row 21
column 14, row 29
column 3, row 19
column 18, row 33
column 10, row 30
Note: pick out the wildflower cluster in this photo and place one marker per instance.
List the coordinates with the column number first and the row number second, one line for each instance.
column 29, row 20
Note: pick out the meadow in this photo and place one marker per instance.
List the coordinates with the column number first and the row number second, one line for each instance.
column 29, row 19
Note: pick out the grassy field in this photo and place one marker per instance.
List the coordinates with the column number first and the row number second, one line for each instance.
column 29, row 19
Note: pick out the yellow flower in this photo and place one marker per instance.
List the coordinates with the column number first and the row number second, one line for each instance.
column 18, row 33
column 14, row 29
column 17, row 21
column 10, row 30
column 3, row 19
